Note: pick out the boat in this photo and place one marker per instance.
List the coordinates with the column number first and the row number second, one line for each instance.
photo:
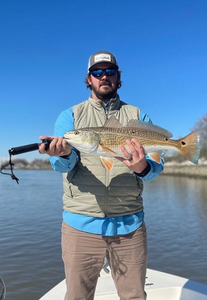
column 2, row 289
column 158, row 286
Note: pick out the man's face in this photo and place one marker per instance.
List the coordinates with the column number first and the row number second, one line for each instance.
column 103, row 87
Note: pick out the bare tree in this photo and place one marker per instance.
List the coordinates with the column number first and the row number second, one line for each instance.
column 201, row 126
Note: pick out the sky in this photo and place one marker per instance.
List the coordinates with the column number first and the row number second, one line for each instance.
column 160, row 45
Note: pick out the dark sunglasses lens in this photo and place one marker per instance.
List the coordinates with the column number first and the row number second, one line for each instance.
column 97, row 73
column 110, row 72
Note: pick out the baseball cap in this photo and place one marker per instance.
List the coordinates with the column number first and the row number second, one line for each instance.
column 102, row 57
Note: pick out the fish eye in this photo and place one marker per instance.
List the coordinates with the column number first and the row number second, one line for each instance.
column 166, row 139
column 76, row 132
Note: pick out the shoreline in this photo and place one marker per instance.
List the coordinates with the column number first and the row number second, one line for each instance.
column 186, row 169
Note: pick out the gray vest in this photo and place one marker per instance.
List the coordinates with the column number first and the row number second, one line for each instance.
column 89, row 188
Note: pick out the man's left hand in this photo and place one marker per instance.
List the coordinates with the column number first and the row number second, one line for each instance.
column 135, row 160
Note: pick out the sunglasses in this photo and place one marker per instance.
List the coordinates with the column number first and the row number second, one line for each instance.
column 99, row 72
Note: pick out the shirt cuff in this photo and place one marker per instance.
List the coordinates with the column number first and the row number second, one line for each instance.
column 144, row 172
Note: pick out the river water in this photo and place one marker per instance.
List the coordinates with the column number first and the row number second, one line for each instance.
column 30, row 226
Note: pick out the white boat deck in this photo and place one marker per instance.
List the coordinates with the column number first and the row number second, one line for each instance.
column 158, row 286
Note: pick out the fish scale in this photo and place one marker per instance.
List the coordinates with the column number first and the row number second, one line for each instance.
column 115, row 138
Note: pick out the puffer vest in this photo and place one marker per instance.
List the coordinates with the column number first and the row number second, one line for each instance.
column 89, row 188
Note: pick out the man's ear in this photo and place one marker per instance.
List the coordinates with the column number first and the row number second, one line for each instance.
column 89, row 79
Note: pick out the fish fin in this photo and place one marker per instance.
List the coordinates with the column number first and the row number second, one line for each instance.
column 156, row 156
column 191, row 146
column 112, row 122
column 107, row 162
column 148, row 126
column 106, row 149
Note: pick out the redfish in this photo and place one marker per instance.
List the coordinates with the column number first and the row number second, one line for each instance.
column 105, row 141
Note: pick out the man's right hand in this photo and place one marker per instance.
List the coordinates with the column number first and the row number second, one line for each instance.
column 57, row 147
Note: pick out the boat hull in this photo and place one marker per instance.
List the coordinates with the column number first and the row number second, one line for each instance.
column 158, row 286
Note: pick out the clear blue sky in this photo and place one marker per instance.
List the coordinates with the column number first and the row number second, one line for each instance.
column 161, row 47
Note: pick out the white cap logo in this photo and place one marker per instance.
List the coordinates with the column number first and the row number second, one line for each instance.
column 101, row 57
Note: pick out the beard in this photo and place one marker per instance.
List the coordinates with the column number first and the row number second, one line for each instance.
column 105, row 90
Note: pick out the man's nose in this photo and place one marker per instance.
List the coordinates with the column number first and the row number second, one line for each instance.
column 104, row 76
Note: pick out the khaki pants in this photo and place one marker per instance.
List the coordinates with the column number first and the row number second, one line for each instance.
column 83, row 256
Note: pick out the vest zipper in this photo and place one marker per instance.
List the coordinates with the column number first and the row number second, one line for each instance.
column 107, row 113
column 107, row 175
column 107, row 110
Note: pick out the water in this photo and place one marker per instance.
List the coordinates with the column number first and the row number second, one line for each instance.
column 30, row 222
column 176, row 217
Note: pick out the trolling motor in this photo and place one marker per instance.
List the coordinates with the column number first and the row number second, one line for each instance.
column 20, row 150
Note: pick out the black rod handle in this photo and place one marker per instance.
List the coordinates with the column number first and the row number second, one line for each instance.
column 29, row 148
column 24, row 149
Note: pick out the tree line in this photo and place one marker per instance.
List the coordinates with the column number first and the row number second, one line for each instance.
column 37, row 164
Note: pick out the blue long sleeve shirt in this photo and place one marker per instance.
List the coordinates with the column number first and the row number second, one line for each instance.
column 108, row 226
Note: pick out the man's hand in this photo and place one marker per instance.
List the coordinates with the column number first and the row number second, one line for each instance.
column 135, row 160
column 58, row 146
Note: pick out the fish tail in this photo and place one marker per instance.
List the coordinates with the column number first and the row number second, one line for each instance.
column 190, row 146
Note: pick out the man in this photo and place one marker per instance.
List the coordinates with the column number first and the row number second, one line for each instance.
column 103, row 211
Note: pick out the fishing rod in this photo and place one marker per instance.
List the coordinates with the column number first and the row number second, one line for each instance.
column 20, row 150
